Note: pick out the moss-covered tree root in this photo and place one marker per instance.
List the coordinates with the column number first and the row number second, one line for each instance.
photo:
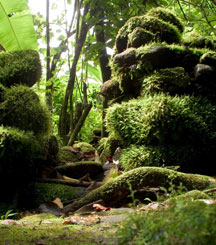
column 117, row 189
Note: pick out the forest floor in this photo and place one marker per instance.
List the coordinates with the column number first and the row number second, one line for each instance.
column 47, row 229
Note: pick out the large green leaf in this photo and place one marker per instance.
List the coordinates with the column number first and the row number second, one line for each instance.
column 16, row 26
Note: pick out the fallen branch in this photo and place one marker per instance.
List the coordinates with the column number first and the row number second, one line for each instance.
column 210, row 190
column 73, row 182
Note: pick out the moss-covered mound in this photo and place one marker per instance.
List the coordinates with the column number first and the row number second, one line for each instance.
column 163, row 120
column 22, row 109
column 167, row 16
column 188, row 158
column 84, row 147
column 39, row 193
column 67, row 154
column 195, row 40
column 163, row 31
column 117, row 189
column 20, row 67
column 170, row 80
column 209, row 58
column 79, row 169
column 18, row 151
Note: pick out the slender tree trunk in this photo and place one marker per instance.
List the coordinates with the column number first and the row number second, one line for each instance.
column 49, row 86
column 80, row 124
column 104, row 61
column 71, row 81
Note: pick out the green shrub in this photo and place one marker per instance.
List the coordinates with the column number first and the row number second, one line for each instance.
column 164, row 120
column 20, row 67
column 167, row 16
column 185, row 222
column 170, row 80
column 21, row 108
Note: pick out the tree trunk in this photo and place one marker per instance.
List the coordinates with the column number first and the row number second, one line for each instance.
column 49, row 86
column 80, row 124
column 104, row 61
column 71, row 81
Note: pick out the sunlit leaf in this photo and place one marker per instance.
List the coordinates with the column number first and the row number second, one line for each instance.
column 16, row 29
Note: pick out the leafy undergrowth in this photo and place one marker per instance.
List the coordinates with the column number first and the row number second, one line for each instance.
column 47, row 229
column 182, row 223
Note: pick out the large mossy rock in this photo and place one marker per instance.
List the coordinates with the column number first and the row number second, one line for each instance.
column 20, row 67
column 79, row 169
column 21, row 108
column 169, row 80
column 39, row 193
column 187, row 158
column 18, row 151
column 164, row 120
column 157, row 25
column 119, row 188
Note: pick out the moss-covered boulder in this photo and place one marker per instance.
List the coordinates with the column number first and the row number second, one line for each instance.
column 67, row 154
column 117, row 189
column 169, row 80
column 163, row 30
column 167, row 16
column 139, row 36
column 111, row 89
column 79, row 169
column 194, row 39
column 84, row 147
column 20, row 67
column 187, row 158
column 209, row 58
column 38, row 193
column 163, row 120
column 21, row 108
column 107, row 146
column 18, row 152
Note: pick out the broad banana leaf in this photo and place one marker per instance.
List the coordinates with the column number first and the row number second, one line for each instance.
column 16, row 26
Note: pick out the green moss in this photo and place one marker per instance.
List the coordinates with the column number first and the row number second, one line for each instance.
column 20, row 67
column 110, row 89
column 65, row 154
column 139, row 36
column 109, row 145
column 2, row 91
column 209, row 58
column 187, row 158
column 22, row 109
column 43, row 192
column 84, row 147
column 196, row 40
column 18, row 150
column 163, row 120
column 79, row 169
column 167, row 16
column 118, row 188
column 163, row 30
column 170, row 80
column 160, row 55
